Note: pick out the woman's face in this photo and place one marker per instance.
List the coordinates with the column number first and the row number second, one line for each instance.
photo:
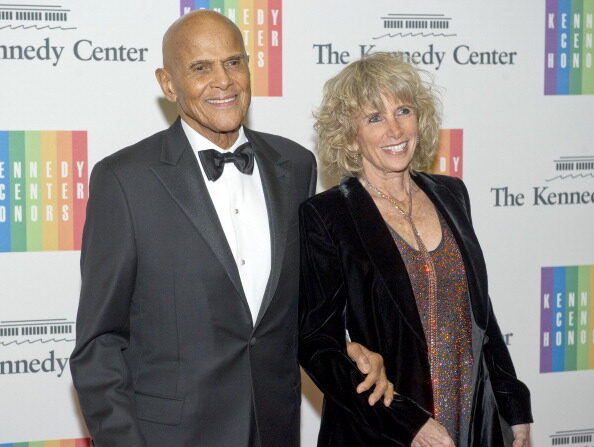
column 387, row 140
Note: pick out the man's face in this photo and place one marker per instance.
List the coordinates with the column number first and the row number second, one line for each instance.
column 206, row 74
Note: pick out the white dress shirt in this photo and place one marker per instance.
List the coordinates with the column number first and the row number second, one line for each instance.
column 241, row 207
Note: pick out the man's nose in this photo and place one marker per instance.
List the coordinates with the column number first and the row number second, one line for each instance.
column 220, row 77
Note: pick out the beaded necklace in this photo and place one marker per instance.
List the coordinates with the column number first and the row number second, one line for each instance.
column 431, row 276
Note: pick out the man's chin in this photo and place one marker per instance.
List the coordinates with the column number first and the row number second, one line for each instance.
column 213, row 129
column 225, row 125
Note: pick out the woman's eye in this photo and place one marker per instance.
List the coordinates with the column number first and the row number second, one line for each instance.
column 374, row 118
column 404, row 111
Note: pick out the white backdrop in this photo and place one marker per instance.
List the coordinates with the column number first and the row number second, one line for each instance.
column 514, row 136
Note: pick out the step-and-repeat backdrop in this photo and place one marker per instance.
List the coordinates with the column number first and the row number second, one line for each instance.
column 517, row 83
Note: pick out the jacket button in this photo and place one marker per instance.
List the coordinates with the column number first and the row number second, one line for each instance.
column 253, row 341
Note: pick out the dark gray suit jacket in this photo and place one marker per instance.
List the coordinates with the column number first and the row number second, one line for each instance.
column 167, row 353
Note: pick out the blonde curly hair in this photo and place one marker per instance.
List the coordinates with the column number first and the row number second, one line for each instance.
column 361, row 85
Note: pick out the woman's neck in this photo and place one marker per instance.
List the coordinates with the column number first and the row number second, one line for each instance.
column 398, row 185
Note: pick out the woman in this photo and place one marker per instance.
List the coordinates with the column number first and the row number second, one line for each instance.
column 390, row 257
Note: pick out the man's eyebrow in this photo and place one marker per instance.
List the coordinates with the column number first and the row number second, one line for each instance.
column 201, row 62
column 211, row 61
column 235, row 57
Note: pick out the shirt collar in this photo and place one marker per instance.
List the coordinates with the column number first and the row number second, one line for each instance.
column 200, row 142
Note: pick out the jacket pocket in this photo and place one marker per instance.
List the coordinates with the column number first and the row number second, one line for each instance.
column 159, row 409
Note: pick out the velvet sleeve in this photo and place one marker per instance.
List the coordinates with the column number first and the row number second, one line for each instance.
column 313, row 176
column 512, row 396
column 322, row 346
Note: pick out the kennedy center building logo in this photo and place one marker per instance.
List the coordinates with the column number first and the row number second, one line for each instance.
column 43, row 190
column 40, row 17
column 448, row 160
column 260, row 22
column 574, row 167
column 575, row 438
column 412, row 25
column 567, row 318
column 569, row 49
column 19, row 332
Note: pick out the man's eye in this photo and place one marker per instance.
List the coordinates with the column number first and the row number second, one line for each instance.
column 234, row 63
column 199, row 68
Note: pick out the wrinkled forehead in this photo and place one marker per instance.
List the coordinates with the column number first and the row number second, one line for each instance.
column 197, row 34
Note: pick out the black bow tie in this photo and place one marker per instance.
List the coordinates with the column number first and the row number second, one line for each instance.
column 213, row 161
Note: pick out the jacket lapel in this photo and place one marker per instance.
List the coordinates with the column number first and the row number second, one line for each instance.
column 452, row 208
column 382, row 252
column 180, row 174
column 276, row 180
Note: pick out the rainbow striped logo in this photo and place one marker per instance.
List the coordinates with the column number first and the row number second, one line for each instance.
column 81, row 442
column 566, row 318
column 43, row 189
column 448, row 160
column 260, row 22
column 569, row 49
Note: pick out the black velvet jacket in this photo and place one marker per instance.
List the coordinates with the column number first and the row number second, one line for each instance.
column 353, row 277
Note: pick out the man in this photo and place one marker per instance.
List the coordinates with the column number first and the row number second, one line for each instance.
column 187, row 323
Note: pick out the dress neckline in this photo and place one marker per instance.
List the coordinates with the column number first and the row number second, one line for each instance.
column 439, row 246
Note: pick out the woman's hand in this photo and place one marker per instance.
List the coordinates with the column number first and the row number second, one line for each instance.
column 372, row 365
column 433, row 434
column 521, row 435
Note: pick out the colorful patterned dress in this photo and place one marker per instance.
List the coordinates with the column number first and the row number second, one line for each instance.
column 453, row 372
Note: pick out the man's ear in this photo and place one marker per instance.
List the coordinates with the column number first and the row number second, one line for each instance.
column 164, row 80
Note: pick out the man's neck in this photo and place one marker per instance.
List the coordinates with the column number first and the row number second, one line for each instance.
column 200, row 142
column 224, row 140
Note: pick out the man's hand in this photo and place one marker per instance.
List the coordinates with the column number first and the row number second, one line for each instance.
column 521, row 435
column 433, row 434
column 372, row 365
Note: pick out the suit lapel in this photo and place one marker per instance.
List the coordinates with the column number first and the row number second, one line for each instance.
column 382, row 252
column 180, row 174
column 276, row 180
column 453, row 211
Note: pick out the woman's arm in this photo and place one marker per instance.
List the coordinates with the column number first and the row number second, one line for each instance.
column 322, row 350
column 513, row 397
